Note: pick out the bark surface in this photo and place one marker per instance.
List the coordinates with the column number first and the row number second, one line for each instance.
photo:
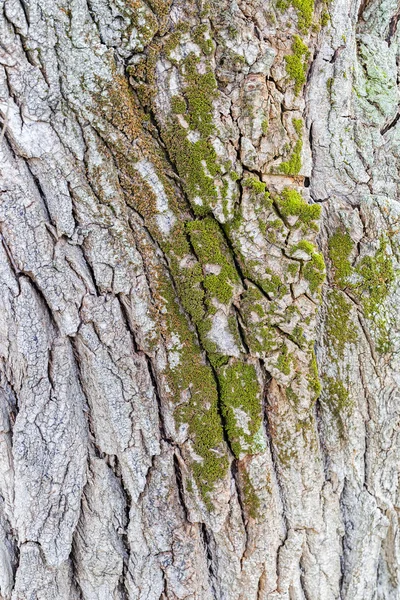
column 199, row 326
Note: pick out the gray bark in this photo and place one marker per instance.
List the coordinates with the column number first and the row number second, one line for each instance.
column 199, row 328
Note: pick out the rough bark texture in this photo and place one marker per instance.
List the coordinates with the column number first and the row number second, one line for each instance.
column 199, row 328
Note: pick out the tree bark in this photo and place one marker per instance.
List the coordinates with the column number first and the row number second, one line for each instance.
column 199, row 328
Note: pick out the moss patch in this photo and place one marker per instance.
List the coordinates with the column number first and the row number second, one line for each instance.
column 369, row 281
column 240, row 390
column 193, row 386
column 261, row 336
column 314, row 272
column 296, row 63
column 291, row 203
column 340, row 246
column 376, row 278
column 209, row 246
column 284, row 360
column 293, row 165
column 195, row 159
column 304, row 9
column 340, row 329
column 314, row 382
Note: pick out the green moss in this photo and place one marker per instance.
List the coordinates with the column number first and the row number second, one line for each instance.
column 314, row 272
column 263, row 226
column 305, row 246
column 284, row 360
column 376, row 275
column 196, row 161
column 188, row 278
column 273, row 285
column 304, row 9
column 293, row 268
column 293, row 165
column 264, row 126
column 340, row 246
column 172, row 41
column 291, row 203
column 193, row 388
column 209, row 245
column 255, row 184
column 200, row 93
column 191, row 160
column 261, row 336
column 160, row 7
column 296, row 63
column 240, row 389
column 298, row 126
column 178, row 105
column 189, row 283
column 292, row 396
column 201, row 37
column 369, row 282
column 325, row 18
column 340, row 329
column 297, row 336
column 314, row 382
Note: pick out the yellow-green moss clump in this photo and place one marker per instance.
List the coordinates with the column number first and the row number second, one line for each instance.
column 204, row 275
column 314, row 269
column 241, row 393
column 259, row 187
column 195, row 159
column 314, row 272
column 284, row 360
column 293, row 165
column 304, row 9
column 191, row 386
column 193, row 379
column 340, row 246
column 296, row 63
column 188, row 276
column 210, row 248
column 292, row 203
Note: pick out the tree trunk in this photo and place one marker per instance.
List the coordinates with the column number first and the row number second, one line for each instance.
column 199, row 327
